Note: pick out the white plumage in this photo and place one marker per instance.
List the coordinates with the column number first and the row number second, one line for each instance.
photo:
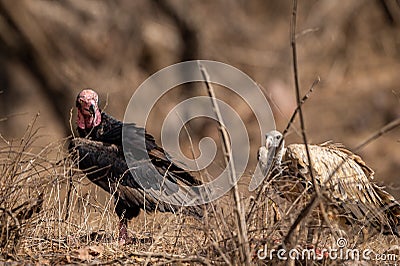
column 345, row 180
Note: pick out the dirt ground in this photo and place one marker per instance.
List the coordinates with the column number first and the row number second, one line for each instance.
column 50, row 50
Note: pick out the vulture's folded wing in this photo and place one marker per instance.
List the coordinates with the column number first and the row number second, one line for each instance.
column 139, row 186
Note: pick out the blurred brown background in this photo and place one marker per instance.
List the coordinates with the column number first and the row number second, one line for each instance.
column 49, row 50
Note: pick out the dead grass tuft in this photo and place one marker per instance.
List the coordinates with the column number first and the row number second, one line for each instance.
column 51, row 214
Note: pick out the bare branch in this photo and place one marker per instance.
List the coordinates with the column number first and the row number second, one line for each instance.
column 387, row 128
column 241, row 220
column 303, row 100
column 308, row 210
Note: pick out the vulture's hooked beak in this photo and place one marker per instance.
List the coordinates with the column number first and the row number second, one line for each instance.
column 92, row 110
column 269, row 143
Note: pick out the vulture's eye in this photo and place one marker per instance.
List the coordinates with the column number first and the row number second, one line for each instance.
column 278, row 137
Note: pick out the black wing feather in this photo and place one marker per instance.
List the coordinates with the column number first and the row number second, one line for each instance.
column 142, row 145
column 105, row 165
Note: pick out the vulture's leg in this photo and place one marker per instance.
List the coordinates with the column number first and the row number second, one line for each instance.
column 125, row 213
column 123, row 231
column 121, row 210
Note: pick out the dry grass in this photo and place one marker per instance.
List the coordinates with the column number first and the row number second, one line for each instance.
column 21, row 194
column 83, row 230
column 49, row 215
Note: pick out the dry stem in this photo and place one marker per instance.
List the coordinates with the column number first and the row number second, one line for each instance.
column 240, row 215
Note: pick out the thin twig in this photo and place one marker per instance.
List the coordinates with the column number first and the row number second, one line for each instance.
column 70, row 180
column 68, row 198
column 12, row 115
column 3, row 139
column 303, row 100
column 11, row 214
column 388, row 127
column 70, row 121
column 306, row 31
column 241, row 220
column 306, row 211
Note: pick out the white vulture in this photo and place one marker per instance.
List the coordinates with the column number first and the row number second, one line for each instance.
column 345, row 181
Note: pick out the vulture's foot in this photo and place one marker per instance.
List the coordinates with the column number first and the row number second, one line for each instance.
column 123, row 238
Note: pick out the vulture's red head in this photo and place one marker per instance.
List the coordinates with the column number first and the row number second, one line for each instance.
column 87, row 104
